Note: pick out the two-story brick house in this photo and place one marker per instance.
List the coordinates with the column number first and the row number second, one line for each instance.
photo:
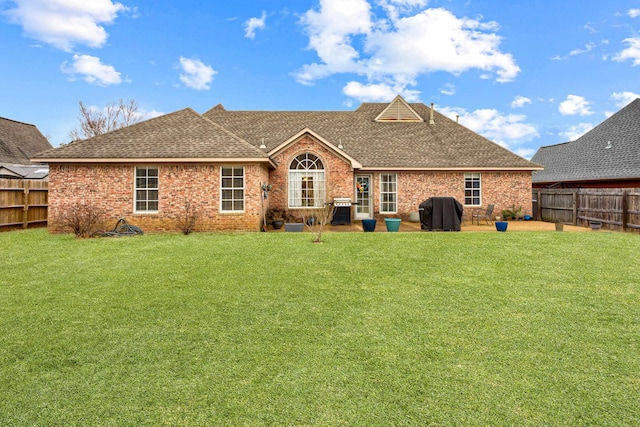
column 387, row 157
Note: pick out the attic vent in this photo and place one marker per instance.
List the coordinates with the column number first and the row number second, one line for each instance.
column 398, row 111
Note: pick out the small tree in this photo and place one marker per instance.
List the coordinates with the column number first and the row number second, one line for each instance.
column 315, row 219
column 186, row 220
column 84, row 220
column 95, row 121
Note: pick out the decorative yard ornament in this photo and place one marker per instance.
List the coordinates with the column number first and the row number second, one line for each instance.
column 265, row 193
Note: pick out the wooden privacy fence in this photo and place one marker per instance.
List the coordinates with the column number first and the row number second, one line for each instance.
column 23, row 203
column 615, row 208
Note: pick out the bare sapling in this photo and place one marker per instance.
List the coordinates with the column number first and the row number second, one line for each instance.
column 317, row 218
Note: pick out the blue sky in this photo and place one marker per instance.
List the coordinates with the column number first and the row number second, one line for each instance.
column 522, row 73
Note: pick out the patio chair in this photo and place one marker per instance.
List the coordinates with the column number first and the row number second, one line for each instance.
column 479, row 214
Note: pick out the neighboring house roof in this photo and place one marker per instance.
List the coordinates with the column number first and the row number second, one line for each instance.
column 610, row 151
column 23, row 171
column 19, row 142
column 394, row 135
column 180, row 136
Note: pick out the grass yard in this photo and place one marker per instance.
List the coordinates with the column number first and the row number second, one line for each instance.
column 366, row 329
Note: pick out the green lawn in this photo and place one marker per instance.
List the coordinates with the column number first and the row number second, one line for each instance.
column 366, row 329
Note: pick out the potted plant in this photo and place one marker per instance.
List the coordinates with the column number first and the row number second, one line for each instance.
column 276, row 217
column 517, row 212
column 513, row 213
column 508, row 214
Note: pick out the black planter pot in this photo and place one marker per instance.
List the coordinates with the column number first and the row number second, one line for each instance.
column 369, row 225
column 277, row 224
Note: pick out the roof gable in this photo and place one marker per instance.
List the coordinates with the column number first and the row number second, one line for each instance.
column 610, row 150
column 336, row 150
column 398, row 111
column 183, row 135
column 19, row 141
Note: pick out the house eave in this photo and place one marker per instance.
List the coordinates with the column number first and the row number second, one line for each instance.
column 336, row 150
column 606, row 179
column 449, row 169
column 157, row 160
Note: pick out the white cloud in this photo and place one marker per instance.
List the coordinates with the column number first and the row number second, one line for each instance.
column 590, row 28
column 503, row 129
column 575, row 132
column 330, row 31
column 520, row 101
column 448, row 89
column 588, row 48
column 66, row 23
column 346, row 39
column 146, row 115
column 254, row 24
column 634, row 13
column 195, row 74
column 381, row 92
column 527, row 153
column 624, row 98
column 395, row 8
column 632, row 52
column 575, row 105
column 92, row 70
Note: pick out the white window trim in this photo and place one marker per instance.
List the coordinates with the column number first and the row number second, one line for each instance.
column 135, row 190
column 395, row 210
column 473, row 175
column 295, row 177
column 244, row 192
column 295, row 188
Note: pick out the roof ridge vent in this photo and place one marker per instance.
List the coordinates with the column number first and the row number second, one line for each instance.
column 398, row 110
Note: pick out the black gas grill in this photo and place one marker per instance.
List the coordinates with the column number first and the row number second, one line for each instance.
column 342, row 212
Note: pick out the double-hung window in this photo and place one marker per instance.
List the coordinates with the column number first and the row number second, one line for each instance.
column 472, row 189
column 306, row 182
column 232, row 189
column 388, row 193
column 146, row 191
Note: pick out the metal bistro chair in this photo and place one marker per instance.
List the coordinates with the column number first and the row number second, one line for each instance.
column 479, row 213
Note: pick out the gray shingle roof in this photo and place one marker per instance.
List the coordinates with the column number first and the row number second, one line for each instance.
column 20, row 141
column 183, row 134
column 446, row 144
column 219, row 133
column 24, row 171
column 611, row 150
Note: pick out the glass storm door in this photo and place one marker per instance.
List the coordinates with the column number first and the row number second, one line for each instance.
column 364, row 207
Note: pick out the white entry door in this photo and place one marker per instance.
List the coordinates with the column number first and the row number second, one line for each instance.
column 364, row 207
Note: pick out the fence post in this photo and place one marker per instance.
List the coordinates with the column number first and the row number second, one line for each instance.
column 574, row 219
column 25, row 204
column 625, row 209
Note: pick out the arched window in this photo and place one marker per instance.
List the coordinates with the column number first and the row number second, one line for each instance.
column 306, row 182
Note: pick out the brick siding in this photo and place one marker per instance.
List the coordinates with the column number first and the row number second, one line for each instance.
column 504, row 189
column 109, row 187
